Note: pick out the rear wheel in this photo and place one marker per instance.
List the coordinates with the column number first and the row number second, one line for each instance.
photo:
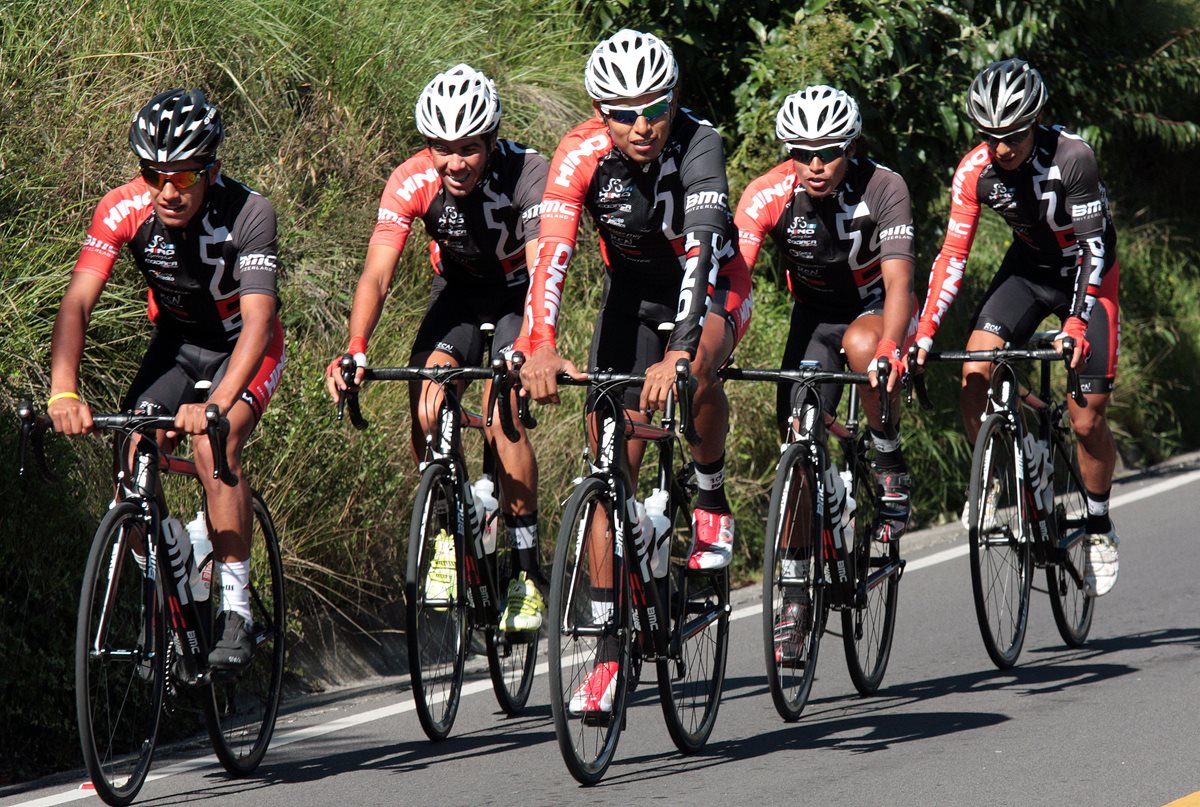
column 588, row 634
column 436, row 608
column 120, row 657
column 511, row 656
column 1001, row 564
column 690, row 681
column 867, row 628
column 242, row 710
column 793, row 605
column 1069, row 601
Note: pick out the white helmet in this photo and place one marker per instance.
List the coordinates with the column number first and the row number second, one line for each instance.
column 819, row 112
column 458, row 103
column 1005, row 95
column 628, row 64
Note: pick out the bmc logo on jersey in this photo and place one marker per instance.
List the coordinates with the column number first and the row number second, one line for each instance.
column 159, row 246
column 1083, row 211
column 899, row 231
column 559, row 209
column 959, row 228
column 705, row 199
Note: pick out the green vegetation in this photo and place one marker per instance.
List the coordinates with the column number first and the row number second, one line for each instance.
column 318, row 97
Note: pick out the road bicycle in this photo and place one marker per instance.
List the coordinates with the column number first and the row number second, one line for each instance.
column 619, row 597
column 1027, row 506
column 142, row 638
column 444, row 605
column 814, row 557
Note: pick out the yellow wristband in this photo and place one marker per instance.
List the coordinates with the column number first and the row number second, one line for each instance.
column 59, row 395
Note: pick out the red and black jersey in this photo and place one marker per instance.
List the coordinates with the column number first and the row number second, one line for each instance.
column 197, row 274
column 665, row 227
column 1057, row 208
column 478, row 241
column 832, row 248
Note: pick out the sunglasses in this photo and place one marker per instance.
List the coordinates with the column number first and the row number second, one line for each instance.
column 827, row 154
column 1008, row 138
column 182, row 180
column 628, row 115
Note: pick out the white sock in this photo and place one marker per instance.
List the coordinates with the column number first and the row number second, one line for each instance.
column 235, row 587
column 601, row 612
column 525, row 537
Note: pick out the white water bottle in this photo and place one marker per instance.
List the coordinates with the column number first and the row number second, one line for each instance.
column 660, row 525
column 179, row 549
column 485, row 510
column 202, row 566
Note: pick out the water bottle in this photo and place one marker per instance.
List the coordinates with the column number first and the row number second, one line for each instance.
column 660, row 524
column 485, row 510
column 179, row 550
column 201, row 579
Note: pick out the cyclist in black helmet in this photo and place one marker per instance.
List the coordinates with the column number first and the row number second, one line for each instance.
column 207, row 248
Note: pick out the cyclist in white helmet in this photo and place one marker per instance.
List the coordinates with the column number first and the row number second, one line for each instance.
column 842, row 227
column 478, row 196
column 652, row 177
column 1045, row 183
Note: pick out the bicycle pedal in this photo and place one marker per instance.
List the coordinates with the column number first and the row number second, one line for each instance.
column 599, row 719
column 520, row 637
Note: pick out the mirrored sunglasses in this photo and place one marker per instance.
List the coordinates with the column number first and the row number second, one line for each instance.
column 182, row 180
column 827, row 154
column 628, row 115
column 1008, row 138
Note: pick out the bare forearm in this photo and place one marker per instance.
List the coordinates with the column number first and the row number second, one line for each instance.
column 66, row 347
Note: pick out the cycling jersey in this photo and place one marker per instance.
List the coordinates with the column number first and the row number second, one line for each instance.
column 1057, row 208
column 197, row 274
column 476, row 241
column 832, row 247
column 665, row 229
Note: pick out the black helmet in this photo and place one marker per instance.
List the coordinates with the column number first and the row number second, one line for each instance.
column 176, row 125
column 1006, row 95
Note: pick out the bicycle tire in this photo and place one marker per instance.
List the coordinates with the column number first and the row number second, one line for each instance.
column 791, row 520
column 690, row 683
column 510, row 663
column 1001, row 562
column 437, row 634
column 242, row 709
column 1069, row 600
column 587, row 741
column 120, row 674
column 868, row 627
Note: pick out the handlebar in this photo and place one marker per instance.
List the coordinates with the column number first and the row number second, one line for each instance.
column 818, row 375
column 994, row 355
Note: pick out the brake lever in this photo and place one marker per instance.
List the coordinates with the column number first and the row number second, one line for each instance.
column 524, row 414
column 685, row 385
column 501, row 387
column 917, row 380
column 33, row 433
column 349, row 396
column 883, row 371
column 218, row 428
column 1073, row 385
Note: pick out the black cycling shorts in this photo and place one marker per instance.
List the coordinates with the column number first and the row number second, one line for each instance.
column 452, row 320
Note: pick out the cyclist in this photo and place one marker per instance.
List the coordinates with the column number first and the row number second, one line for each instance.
column 478, row 196
column 843, row 227
column 1044, row 181
column 652, row 176
column 206, row 245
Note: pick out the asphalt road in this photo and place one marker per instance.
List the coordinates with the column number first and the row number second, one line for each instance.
column 1113, row 723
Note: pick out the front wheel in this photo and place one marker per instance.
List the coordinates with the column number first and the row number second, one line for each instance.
column 793, row 604
column 589, row 636
column 120, row 656
column 1069, row 601
column 511, row 657
column 242, row 710
column 1001, row 564
column 867, row 628
column 691, row 679
column 436, row 608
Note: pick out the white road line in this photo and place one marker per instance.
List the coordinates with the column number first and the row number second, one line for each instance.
column 350, row 721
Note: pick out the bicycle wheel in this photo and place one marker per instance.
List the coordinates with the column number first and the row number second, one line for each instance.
column 589, row 627
column 120, row 657
column 1069, row 601
column 793, row 605
column 1001, row 565
column 867, row 628
column 242, row 710
column 511, row 657
column 436, row 608
column 690, row 680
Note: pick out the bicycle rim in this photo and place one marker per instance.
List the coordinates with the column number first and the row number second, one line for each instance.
column 581, row 621
column 1001, row 565
column 120, row 653
column 867, row 628
column 793, row 537
column 242, row 710
column 691, row 679
column 511, row 658
column 436, row 609
column 1069, row 601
